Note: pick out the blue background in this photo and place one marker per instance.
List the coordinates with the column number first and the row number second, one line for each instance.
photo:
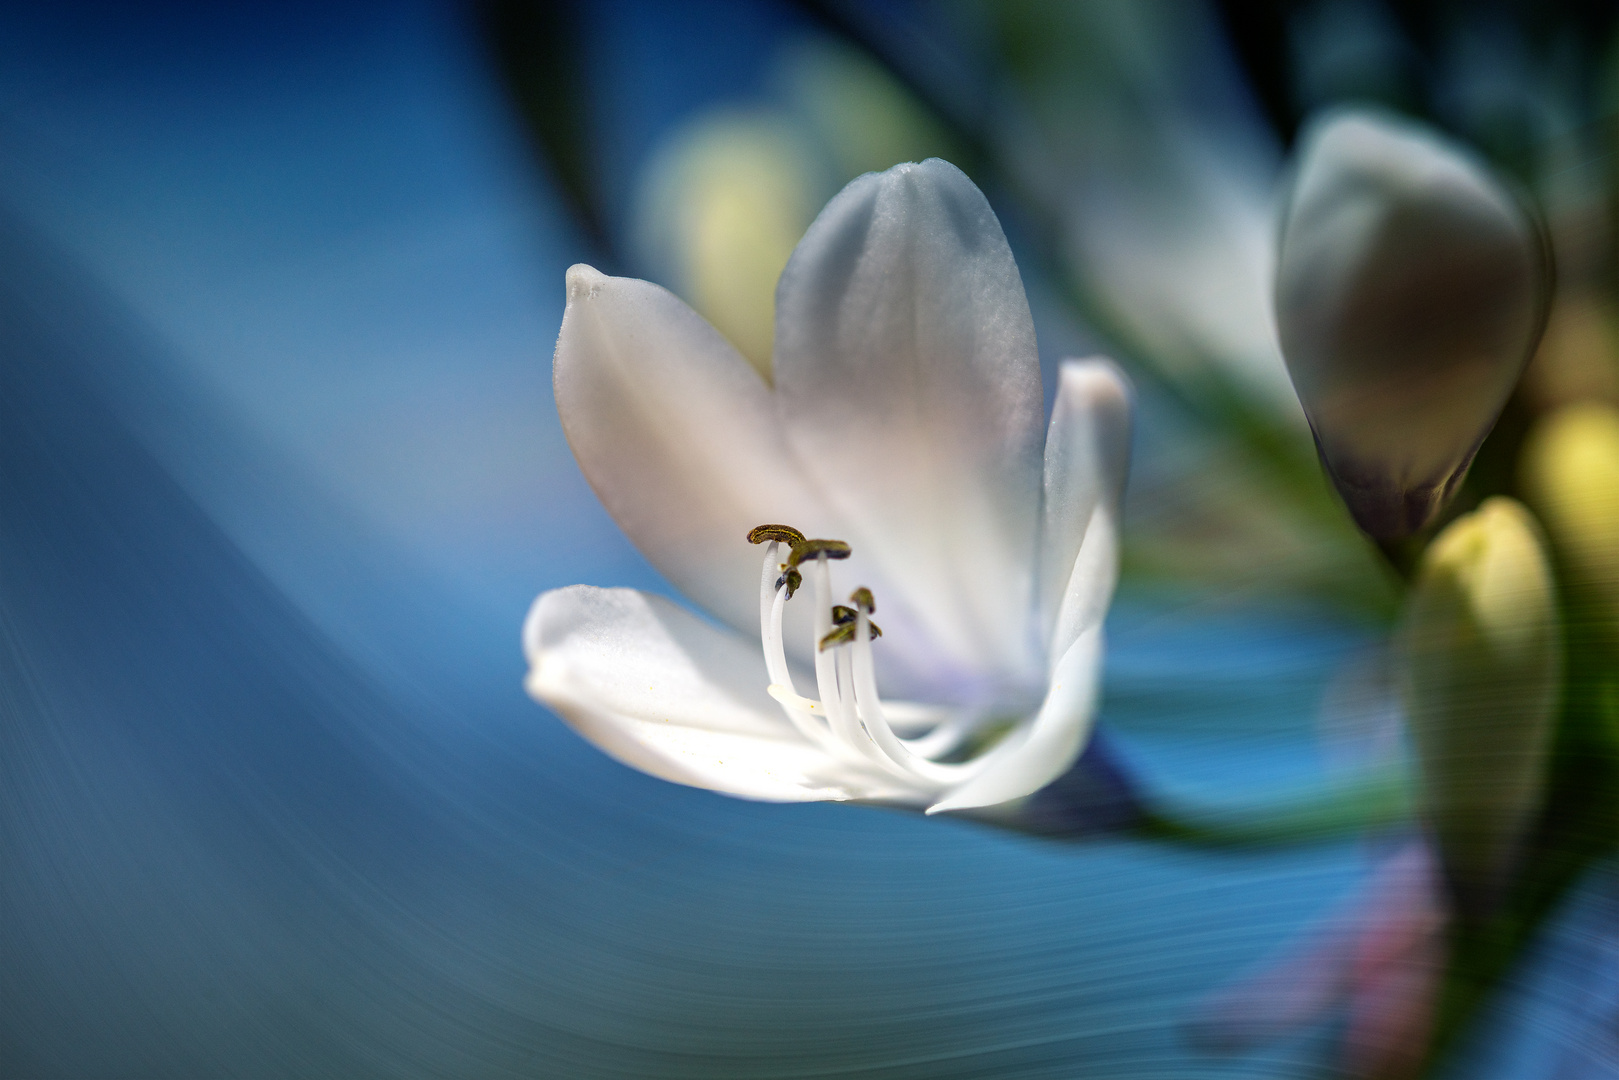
column 279, row 475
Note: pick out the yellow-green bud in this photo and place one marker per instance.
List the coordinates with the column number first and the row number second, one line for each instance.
column 722, row 205
column 1481, row 670
column 1569, row 472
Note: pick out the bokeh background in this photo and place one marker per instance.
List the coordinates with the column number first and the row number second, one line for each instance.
column 280, row 472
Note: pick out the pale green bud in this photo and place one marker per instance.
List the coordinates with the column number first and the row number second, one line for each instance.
column 1411, row 289
column 1569, row 471
column 1481, row 670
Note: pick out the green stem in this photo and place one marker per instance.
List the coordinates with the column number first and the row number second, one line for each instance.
column 1375, row 800
column 1403, row 555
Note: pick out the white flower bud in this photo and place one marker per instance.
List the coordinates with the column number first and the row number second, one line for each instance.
column 1481, row 670
column 1410, row 292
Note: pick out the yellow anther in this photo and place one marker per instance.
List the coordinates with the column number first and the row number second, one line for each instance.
column 862, row 599
column 844, row 633
column 785, row 534
column 811, row 549
column 792, row 579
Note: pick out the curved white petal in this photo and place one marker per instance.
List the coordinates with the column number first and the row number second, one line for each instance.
column 668, row 694
column 678, row 435
column 910, row 389
column 1048, row 746
column 1087, row 461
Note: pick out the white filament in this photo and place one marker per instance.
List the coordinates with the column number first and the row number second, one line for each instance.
column 864, row 677
column 825, row 675
column 771, row 602
column 849, row 719
column 805, row 714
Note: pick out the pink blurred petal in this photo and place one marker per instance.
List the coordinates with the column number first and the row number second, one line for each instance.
column 1281, row 998
column 1391, row 1014
column 1379, row 957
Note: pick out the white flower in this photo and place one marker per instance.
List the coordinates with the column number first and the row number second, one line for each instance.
column 903, row 421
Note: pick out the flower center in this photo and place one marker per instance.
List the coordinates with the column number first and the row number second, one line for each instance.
column 848, row 718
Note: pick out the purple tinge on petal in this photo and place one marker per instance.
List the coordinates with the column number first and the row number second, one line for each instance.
column 909, row 386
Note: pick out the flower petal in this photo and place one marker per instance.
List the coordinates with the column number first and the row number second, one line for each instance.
column 678, row 435
column 671, row 695
column 910, row 387
column 1050, row 744
column 1087, row 460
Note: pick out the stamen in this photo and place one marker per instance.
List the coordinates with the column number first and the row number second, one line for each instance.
column 854, row 724
column 767, row 590
column 770, row 611
column 845, row 718
column 801, row 712
column 837, row 701
column 843, row 631
column 784, row 534
column 825, row 676
column 870, row 708
column 843, row 619
column 792, row 579
column 821, row 549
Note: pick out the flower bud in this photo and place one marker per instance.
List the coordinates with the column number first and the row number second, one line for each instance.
column 1569, row 471
column 1481, row 668
column 1410, row 292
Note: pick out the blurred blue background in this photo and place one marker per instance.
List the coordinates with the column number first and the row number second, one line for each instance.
column 280, row 472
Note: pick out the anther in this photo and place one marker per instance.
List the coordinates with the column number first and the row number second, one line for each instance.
column 844, row 632
column 862, row 599
column 785, row 534
column 810, row 549
column 792, row 579
column 842, row 614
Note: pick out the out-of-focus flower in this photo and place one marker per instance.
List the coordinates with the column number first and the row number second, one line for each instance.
column 723, row 205
column 1578, row 358
column 1378, row 962
column 1135, row 131
column 1482, row 670
column 1151, row 173
column 1570, row 474
column 855, row 109
column 727, row 195
column 903, row 421
column 1410, row 293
